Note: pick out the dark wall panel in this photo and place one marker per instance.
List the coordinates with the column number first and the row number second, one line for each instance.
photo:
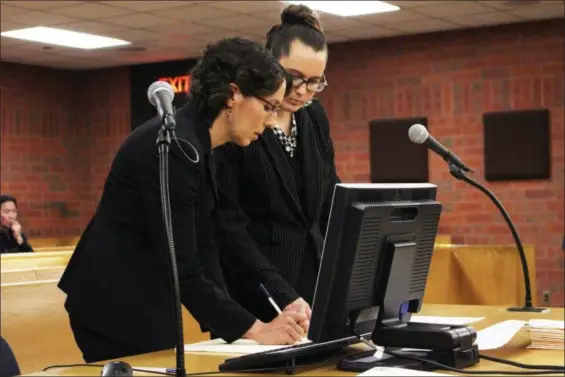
column 141, row 76
column 394, row 158
column 517, row 145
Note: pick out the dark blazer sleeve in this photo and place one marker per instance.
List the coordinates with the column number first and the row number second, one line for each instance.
column 317, row 111
column 210, row 306
column 240, row 251
column 25, row 247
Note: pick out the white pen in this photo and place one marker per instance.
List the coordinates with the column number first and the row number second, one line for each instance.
column 270, row 298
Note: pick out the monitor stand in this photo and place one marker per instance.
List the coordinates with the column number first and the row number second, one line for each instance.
column 445, row 344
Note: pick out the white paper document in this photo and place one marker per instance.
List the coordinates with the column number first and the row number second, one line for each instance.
column 388, row 371
column 152, row 370
column 498, row 335
column 547, row 324
column 241, row 346
column 445, row 320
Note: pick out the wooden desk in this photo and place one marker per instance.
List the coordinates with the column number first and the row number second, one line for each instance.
column 515, row 350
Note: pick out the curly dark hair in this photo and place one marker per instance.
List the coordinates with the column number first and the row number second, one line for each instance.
column 237, row 61
column 297, row 22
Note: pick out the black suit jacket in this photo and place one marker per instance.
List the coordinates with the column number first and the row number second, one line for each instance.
column 117, row 280
column 8, row 243
column 266, row 227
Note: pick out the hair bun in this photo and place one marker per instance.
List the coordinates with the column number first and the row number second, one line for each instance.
column 301, row 15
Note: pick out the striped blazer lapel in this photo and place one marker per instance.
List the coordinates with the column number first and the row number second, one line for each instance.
column 283, row 168
column 313, row 165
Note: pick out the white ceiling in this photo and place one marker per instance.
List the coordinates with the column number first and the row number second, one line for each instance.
column 170, row 30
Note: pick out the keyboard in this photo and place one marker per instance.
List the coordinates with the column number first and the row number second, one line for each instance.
column 301, row 353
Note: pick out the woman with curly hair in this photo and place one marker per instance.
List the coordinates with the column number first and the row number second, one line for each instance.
column 117, row 281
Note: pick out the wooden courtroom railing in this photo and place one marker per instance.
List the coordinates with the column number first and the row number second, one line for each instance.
column 33, row 317
column 42, row 242
column 442, row 239
column 23, row 275
column 34, row 260
column 54, row 248
column 479, row 275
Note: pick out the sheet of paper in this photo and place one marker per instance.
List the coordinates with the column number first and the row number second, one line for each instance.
column 498, row 335
column 241, row 346
column 445, row 320
column 388, row 371
column 152, row 370
column 546, row 324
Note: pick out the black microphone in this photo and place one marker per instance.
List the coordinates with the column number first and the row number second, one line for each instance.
column 420, row 135
column 161, row 95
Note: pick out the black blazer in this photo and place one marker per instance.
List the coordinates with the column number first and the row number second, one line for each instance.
column 117, row 281
column 8, row 243
column 266, row 227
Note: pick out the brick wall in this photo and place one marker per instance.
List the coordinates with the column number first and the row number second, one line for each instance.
column 60, row 130
column 453, row 78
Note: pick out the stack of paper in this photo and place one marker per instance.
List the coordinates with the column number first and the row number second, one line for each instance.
column 547, row 334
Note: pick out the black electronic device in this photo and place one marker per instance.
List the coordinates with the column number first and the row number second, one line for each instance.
column 375, row 263
column 117, row 369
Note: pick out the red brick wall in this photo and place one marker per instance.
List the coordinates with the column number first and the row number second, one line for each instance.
column 60, row 130
column 452, row 78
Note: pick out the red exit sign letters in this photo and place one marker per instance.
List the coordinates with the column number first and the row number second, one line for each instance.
column 179, row 83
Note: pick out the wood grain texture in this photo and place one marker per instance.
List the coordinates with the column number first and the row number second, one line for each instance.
column 479, row 275
column 36, row 325
column 515, row 350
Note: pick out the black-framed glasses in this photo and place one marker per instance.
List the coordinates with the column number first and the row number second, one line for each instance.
column 268, row 106
column 313, row 85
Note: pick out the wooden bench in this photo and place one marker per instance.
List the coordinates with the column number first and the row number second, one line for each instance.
column 54, row 248
column 36, row 325
column 479, row 275
column 22, row 275
column 49, row 242
column 34, row 260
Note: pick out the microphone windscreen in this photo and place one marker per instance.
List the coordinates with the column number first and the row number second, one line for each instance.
column 158, row 86
column 418, row 134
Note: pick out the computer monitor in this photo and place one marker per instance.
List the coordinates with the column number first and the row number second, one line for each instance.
column 374, row 267
column 379, row 239
column 375, row 263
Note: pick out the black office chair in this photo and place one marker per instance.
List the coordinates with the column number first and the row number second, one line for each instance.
column 8, row 363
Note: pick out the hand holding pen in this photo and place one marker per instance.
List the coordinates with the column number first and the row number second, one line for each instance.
column 284, row 329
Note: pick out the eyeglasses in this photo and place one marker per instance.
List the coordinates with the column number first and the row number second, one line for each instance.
column 313, row 85
column 268, row 106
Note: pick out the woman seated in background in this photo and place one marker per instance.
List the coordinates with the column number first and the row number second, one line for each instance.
column 12, row 238
column 118, row 286
column 275, row 196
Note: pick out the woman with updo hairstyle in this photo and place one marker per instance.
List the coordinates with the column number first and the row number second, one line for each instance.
column 275, row 196
column 119, row 296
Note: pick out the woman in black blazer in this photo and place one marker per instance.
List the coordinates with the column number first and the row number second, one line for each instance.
column 117, row 282
column 275, row 196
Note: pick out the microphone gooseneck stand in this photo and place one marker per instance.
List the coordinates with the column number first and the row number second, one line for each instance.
column 163, row 147
column 528, row 306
